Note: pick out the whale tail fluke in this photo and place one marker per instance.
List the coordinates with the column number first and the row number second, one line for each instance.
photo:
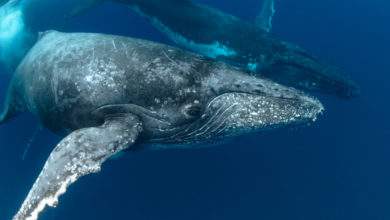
column 264, row 19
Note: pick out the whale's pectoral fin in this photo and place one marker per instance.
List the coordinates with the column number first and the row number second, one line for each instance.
column 79, row 154
column 264, row 19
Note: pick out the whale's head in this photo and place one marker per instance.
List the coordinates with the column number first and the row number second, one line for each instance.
column 234, row 103
column 292, row 66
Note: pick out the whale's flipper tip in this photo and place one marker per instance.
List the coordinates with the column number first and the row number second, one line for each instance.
column 264, row 19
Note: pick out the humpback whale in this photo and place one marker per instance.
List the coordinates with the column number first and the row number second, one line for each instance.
column 110, row 93
column 251, row 46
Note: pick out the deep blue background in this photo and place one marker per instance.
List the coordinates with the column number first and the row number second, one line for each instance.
column 334, row 169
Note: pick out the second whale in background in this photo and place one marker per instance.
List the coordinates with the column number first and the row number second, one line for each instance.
column 219, row 35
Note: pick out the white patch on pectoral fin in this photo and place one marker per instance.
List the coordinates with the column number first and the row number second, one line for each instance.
column 79, row 154
column 264, row 19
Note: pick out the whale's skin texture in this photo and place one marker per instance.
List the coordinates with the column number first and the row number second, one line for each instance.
column 109, row 93
column 225, row 37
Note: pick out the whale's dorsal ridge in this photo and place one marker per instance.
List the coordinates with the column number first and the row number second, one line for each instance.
column 44, row 33
column 264, row 19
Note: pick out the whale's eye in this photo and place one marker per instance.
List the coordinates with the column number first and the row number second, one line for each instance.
column 193, row 110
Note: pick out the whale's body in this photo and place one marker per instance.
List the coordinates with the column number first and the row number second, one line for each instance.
column 109, row 93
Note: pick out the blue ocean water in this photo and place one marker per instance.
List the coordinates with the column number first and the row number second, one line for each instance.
column 333, row 169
